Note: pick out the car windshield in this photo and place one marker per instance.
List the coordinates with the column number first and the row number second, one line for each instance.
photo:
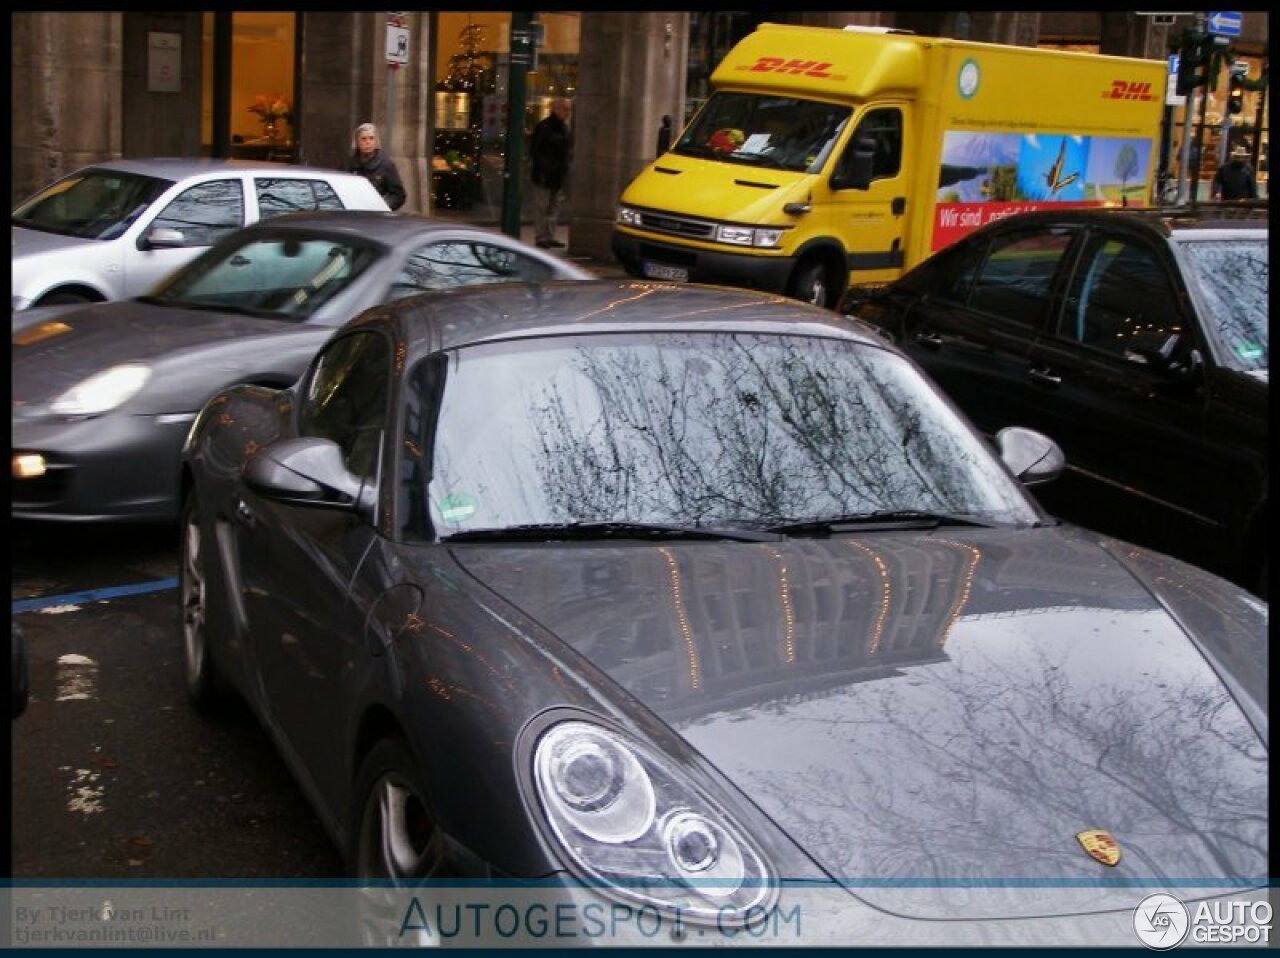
column 1232, row 279
column 91, row 204
column 700, row 428
column 278, row 276
column 778, row 132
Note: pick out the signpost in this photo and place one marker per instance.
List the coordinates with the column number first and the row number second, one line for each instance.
column 397, row 52
column 1225, row 23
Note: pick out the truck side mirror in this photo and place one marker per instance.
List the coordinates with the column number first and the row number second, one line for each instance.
column 854, row 170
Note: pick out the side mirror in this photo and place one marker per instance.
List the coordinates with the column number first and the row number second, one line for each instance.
column 161, row 238
column 854, row 169
column 1031, row 456
column 307, row 471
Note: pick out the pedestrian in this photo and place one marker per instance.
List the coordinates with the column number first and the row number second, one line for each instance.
column 1234, row 179
column 664, row 134
column 549, row 151
column 369, row 161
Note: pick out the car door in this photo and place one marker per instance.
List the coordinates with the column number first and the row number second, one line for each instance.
column 306, row 604
column 202, row 214
column 872, row 222
column 973, row 314
column 1118, row 394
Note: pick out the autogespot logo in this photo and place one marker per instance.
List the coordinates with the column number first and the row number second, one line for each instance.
column 1161, row 921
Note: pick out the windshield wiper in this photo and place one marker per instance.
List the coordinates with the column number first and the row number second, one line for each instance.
column 547, row 531
column 871, row 521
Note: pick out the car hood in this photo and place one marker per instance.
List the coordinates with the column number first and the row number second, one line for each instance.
column 934, row 718
column 29, row 242
column 51, row 356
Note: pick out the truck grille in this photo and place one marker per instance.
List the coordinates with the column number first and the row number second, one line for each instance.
column 677, row 225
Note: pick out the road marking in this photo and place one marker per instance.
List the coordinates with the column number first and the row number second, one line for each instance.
column 93, row 595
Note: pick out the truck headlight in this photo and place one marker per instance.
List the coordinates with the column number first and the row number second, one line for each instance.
column 758, row 236
column 102, row 391
column 628, row 217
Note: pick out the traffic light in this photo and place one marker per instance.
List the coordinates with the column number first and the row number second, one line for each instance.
column 1235, row 94
column 1191, row 57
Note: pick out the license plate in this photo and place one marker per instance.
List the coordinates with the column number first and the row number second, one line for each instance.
column 661, row 271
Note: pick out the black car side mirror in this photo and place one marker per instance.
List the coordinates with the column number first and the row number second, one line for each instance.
column 307, row 471
column 1031, row 456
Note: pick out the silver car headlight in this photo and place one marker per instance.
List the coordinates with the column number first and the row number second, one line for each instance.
column 758, row 236
column 102, row 391
column 628, row 217
column 635, row 826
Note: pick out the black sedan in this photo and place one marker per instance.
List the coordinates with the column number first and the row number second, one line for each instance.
column 103, row 394
column 1138, row 341
column 706, row 602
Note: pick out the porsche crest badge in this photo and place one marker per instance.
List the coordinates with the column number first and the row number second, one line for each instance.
column 1100, row 845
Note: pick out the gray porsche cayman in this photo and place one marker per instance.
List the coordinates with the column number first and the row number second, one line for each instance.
column 707, row 602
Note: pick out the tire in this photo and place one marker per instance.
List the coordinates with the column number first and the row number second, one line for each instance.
column 809, row 284
column 394, row 842
column 204, row 689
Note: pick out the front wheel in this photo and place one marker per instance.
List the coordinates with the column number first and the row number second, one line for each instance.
column 394, row 842
column 810, row 284
column 203, row 687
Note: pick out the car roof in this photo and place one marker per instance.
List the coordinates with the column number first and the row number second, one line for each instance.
column 382, row 226
column 473, row 314
column 1165, row 220
column 177, row 168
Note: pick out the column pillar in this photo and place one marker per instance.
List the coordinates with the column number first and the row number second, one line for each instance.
column 631, row 71
column 66, row 94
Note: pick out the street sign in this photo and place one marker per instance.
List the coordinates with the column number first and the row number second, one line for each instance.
column 1225, row 23
column 397, row 45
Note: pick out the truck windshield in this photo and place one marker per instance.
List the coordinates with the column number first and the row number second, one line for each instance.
column 780, row 132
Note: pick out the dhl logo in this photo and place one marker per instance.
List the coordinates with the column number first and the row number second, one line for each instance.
column 1128, row 90
column 808, row 68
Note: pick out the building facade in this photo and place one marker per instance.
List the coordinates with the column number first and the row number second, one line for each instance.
column 94, row 85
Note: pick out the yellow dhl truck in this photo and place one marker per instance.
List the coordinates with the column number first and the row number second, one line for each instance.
column 828, row 157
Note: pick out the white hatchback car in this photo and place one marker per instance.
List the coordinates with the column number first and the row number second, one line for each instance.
column 112, row 230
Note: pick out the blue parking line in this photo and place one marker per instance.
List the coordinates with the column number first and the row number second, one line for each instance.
column 93, row 595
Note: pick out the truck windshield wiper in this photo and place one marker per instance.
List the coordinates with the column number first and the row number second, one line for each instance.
column 870, row 521
column 548, row 531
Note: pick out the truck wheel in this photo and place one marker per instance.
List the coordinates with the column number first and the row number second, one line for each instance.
column 809, row 283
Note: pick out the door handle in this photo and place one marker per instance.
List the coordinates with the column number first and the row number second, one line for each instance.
column 1044, row 378
column 929, row 340
column 244, row 515
column 898, row 206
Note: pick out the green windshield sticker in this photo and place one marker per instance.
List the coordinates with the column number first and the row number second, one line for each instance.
column 456, row 507
column 1249, row 351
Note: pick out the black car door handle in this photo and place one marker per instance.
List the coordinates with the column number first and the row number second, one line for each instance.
column 244, row 515
column 929, row 340
column 1044, row 377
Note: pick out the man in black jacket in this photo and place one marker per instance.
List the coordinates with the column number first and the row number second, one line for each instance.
column 549, row 151
column 1234, row 180
column 369, row 161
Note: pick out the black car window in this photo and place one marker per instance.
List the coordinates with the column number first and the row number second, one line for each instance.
column 205, row 212
column 1018, row 275
column 1120, row 297
column 346, row 398
column 465, row 263
column 93, row 204
column 278, row 195
column 949, row 275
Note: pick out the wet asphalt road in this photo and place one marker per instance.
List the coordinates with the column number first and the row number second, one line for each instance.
column 114, row 776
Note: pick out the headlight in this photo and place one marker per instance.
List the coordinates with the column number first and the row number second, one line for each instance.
column 628, row 217
column 766, row 237
column 102, row 391
column 637, row 827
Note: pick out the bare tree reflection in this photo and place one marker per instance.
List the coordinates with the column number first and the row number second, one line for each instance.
column 744, row 427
